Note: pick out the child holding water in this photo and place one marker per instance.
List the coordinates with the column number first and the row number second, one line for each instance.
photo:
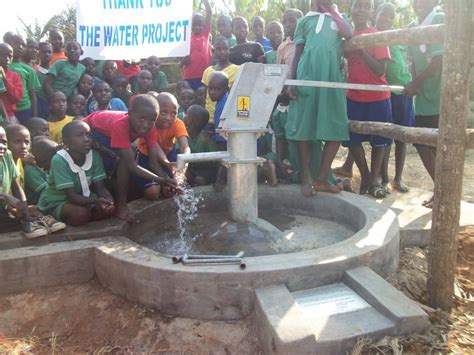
column 318, row 114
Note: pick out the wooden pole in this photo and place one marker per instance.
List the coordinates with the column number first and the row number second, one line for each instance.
column 450, row 153
column 425, row 136
column 407, row 36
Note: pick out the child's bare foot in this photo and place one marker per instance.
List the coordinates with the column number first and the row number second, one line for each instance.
column 364, row 187
column 386, row 188
column 342, row 171
column 324, row 186
column 307, row 188
column 272, row 176
column 400, row 186
column 126, row 215
column 428, row 203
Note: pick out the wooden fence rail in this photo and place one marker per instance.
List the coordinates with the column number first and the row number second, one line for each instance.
column 425, row 136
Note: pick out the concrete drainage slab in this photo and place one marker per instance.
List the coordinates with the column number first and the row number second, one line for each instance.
column 330, row 319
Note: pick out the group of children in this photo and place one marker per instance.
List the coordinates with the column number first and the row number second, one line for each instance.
column 84, row 137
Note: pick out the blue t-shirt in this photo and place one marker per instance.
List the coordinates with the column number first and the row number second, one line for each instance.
column 115, row 104
column 217, row 116
column 265, row 42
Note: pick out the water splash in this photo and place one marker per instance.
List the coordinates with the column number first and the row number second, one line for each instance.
column 188, row 205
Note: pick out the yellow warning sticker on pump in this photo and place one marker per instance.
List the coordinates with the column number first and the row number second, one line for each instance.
column 243, row 107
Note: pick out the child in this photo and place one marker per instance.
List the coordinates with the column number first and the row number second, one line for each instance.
column 12, row 82
column 368, row 67
column 402, row 106
column 258, row 29
column 218, row 92
column 160, row 82
column 275, row 34
column 120, row 89
column 200, row 141
column 186, row 98
column 224, row 26
column 30, row 55
column 181, row 85
column 13, row 199
column 89, row 63
column 109, row 71
column 169, row 131
column 113, row 133
column 103, row 99
column 76, row 193
column 426, row 85
column 76, row 106
column 19, row 144
column 56, row 38
column 84, row 87
column 57, row 115
column 38, row 127
column 45, row 53
column 318, row 114
column 36, row 176
column 244, row 51
column 284, row 148
column 200, row 96
column 200, row 56
column 221, row 57
column 65, row 74
column 143, row 83
column 27, row 107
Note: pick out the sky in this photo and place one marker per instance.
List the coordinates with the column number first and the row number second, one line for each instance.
column 28, row 10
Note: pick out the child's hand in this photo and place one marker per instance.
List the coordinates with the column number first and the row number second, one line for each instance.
column 2, row 73
column 291, row 91
column 171, row 166
column 29, row 159
column 411, row 89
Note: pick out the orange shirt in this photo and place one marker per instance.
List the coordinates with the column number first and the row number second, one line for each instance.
column 56, row 56
column 166, row 137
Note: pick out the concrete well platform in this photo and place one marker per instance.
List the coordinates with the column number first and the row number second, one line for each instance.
column 219, row 292
column 330, row 319
column 415, row 219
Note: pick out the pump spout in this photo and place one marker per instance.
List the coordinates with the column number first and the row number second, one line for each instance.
column 200, row 157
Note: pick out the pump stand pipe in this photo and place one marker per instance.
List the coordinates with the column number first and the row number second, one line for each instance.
column 200, row 157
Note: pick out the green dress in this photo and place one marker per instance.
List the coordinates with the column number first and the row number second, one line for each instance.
column 318, row 114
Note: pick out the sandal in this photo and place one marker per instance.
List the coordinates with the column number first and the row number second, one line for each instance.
column 378, row 191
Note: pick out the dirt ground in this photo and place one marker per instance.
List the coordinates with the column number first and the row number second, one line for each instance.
column 88, row 318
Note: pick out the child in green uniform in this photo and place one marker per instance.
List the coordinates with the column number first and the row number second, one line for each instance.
column 120, row 89
column 186, row 98
column 36, row 176
column 45, row 53
column 224, row 26
column 143, row 82
column 318, row 114
column 28, row 106
column 275, row 35
column 65, row 74
column 200, row 141
column 160, row 82
column 397, row 73
column 426, row 85
column 76, row 193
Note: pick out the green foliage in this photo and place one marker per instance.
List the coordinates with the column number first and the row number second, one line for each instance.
column 64, row 21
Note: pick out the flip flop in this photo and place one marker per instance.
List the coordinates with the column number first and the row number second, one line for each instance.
column 378, row 191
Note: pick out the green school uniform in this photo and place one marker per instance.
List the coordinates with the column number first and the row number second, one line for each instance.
column 203, row 143
column 61, row 177
column 232, row 41
column 8, row 172
column 181, row 113
column 318, row 114
column 160, row 82
column 30, row 83
column 36, row 180
column 271, row 57
column 397, row 72
column 428, row 98
column 66, row 76
column 41, row 74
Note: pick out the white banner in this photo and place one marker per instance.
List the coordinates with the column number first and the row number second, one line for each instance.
column 134, row 29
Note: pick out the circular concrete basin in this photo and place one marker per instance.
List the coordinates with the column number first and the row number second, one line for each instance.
column 317, row 240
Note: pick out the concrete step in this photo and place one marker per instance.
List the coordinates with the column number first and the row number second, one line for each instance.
column 329, row 319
